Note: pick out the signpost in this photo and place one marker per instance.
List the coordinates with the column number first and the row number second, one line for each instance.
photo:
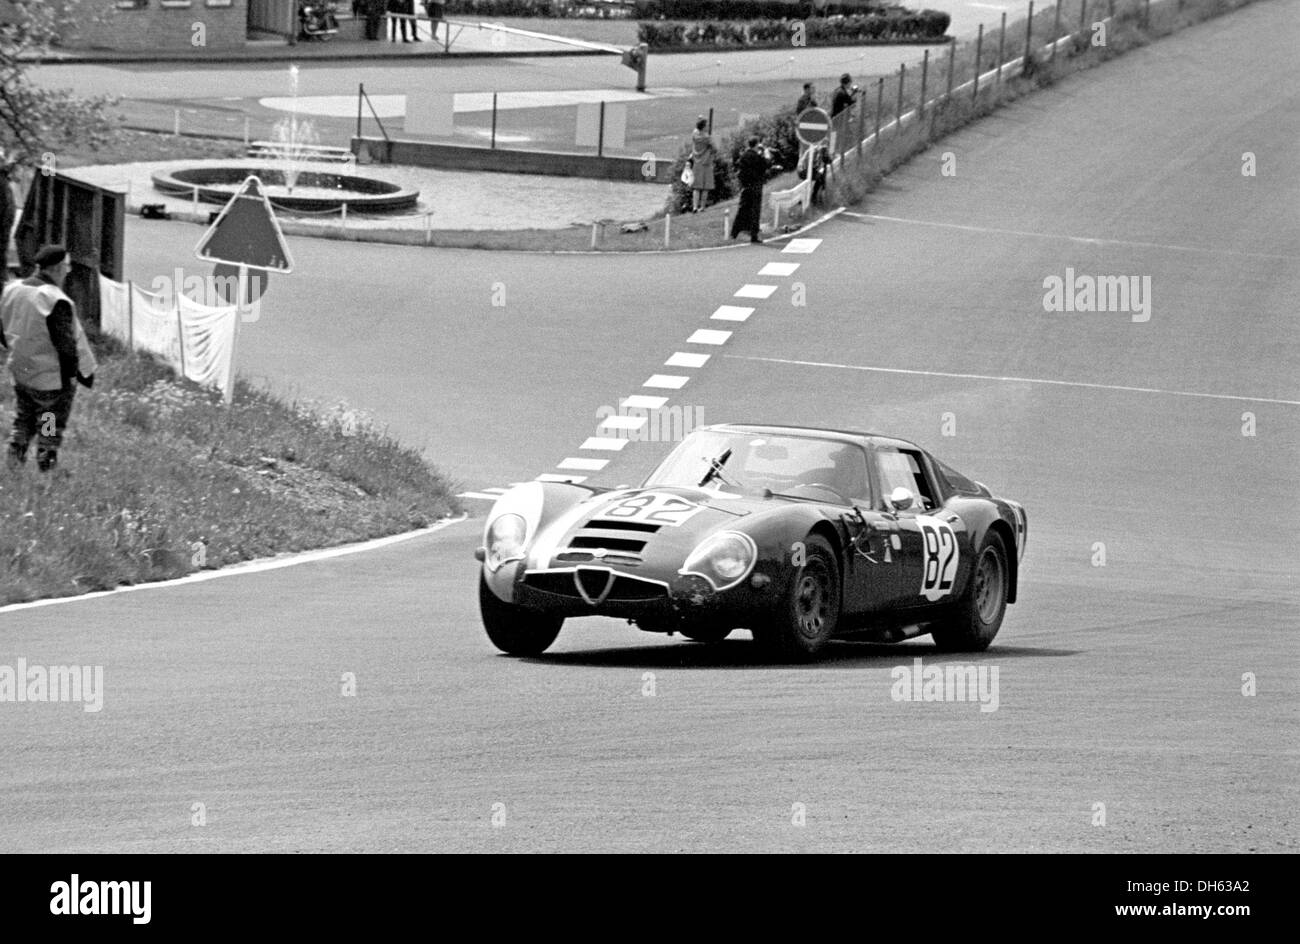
column 245, row 234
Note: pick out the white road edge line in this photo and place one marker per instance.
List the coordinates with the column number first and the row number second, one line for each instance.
column 1089, row 240
column 1029, row 380
column 248, row 567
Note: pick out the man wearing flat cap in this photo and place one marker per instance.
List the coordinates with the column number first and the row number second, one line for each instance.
column 48, row 355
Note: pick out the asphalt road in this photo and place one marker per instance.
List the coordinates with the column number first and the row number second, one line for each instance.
column 1119, row 684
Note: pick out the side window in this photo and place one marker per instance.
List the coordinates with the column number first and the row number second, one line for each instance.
column 902, row 468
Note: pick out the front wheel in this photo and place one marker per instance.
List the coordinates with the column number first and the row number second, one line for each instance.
column 516, row 630
column 978, row 616
column 806, row 619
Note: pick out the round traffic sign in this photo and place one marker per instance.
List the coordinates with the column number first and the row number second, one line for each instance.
column 813, row 126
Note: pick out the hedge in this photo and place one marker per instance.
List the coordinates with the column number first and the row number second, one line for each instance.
column 889, row 27
column 662, row 9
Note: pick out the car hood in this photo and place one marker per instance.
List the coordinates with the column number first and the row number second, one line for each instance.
column 641, row 530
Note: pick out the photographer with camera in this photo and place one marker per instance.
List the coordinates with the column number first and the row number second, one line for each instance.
column 845, row 95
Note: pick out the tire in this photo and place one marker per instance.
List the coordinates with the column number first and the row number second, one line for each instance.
column 516, row 630
column 978, row 616
column 808, row 616
column 708, row 634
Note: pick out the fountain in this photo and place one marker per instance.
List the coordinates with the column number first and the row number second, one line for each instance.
column 283, row 171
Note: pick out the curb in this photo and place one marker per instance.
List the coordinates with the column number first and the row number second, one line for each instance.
column 258, row 566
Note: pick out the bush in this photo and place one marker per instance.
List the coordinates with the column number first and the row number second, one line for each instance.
column 892, row 26
column 748, row 9
column 777, row 131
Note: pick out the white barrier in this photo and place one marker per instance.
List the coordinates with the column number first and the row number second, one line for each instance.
column 195, row 340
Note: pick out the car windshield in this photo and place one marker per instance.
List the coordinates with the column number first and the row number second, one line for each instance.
column 781, row 463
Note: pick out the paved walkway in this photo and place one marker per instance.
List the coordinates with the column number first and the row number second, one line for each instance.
column 448, row 199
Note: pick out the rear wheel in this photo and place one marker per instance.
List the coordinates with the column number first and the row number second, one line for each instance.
column 806, row 619
column 978, row 616
column 516, row 630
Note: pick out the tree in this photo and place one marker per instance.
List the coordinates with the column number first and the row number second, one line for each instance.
column 36, row 122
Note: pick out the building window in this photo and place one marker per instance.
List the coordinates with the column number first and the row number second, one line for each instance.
column 180, row 4
column 132, row 4
column 220, row 3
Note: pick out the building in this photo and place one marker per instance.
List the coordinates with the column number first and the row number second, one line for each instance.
column 173, row 25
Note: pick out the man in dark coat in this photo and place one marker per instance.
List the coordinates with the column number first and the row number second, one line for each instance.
column 374, row 10
column 807, row 100
column 751, row 169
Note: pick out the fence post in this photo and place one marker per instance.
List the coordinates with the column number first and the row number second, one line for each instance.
column 668, row 227
column 952, row 69
column 979, row 47
column 726, row 228
column 595, row 233
column 880, row 106
column 862, row 119
column 600, row 133
column 246, row 137
column 361, row 94
column 130, row 316
column 494, row 121
column 898, row 119
column 195, row 201
column 1002, row 39
column 180, row 331
column 176, row 122
column 1083, row 15
column 1056, row 29
column 1029, row 38
column 925, row 74
column 343, row 216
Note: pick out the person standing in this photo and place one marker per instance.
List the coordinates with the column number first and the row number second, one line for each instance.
column 48, row 355
column 752, row 170
column 703, row 152
column 844, row 95
column 807, row 99
column 374, row 13
column 399, row 22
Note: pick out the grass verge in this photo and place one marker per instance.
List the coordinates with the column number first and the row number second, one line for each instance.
column 158, row 480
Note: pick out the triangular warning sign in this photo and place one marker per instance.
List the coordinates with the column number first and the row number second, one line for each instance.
column 247, row 233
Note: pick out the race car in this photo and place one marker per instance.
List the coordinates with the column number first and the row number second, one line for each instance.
column 796, row 534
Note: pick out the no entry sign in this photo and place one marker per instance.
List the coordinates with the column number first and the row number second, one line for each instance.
column 813, row 126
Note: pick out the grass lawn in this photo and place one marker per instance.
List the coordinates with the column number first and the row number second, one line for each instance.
column 158, row 479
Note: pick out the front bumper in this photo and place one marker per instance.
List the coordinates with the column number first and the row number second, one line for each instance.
column 604, row 591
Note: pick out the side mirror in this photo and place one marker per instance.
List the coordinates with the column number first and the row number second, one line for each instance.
column 901, row 499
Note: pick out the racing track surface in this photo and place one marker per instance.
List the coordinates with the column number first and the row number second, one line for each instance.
column 1119, row 684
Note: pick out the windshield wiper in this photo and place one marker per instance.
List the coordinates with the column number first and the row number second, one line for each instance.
column 715, row 470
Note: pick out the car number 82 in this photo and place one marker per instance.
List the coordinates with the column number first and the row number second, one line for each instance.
column 939, row 556
column 654, row 508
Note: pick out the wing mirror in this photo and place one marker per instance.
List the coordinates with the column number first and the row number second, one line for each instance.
column 901, row 499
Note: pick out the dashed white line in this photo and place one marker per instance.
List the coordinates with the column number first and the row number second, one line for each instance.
column 751, row 290
column 583, row 465
column 705, row 336
column 666, row 382
column 622, row 422
column 641, row 402
column 804, row 246
column 684, row 359
column 779, row 268
column 605, row 443
column 732, row 313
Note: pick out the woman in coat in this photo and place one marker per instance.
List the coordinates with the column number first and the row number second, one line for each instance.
column 703, row 151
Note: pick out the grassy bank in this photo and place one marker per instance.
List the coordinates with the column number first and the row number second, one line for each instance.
column 158, row 479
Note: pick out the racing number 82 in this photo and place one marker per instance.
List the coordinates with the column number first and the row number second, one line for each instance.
column 653, row 509
column 940, row 546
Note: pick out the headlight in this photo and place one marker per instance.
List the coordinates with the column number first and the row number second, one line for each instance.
column 505, row 540
column 723, row 560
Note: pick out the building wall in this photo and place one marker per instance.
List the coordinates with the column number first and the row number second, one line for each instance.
column 172, row 25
